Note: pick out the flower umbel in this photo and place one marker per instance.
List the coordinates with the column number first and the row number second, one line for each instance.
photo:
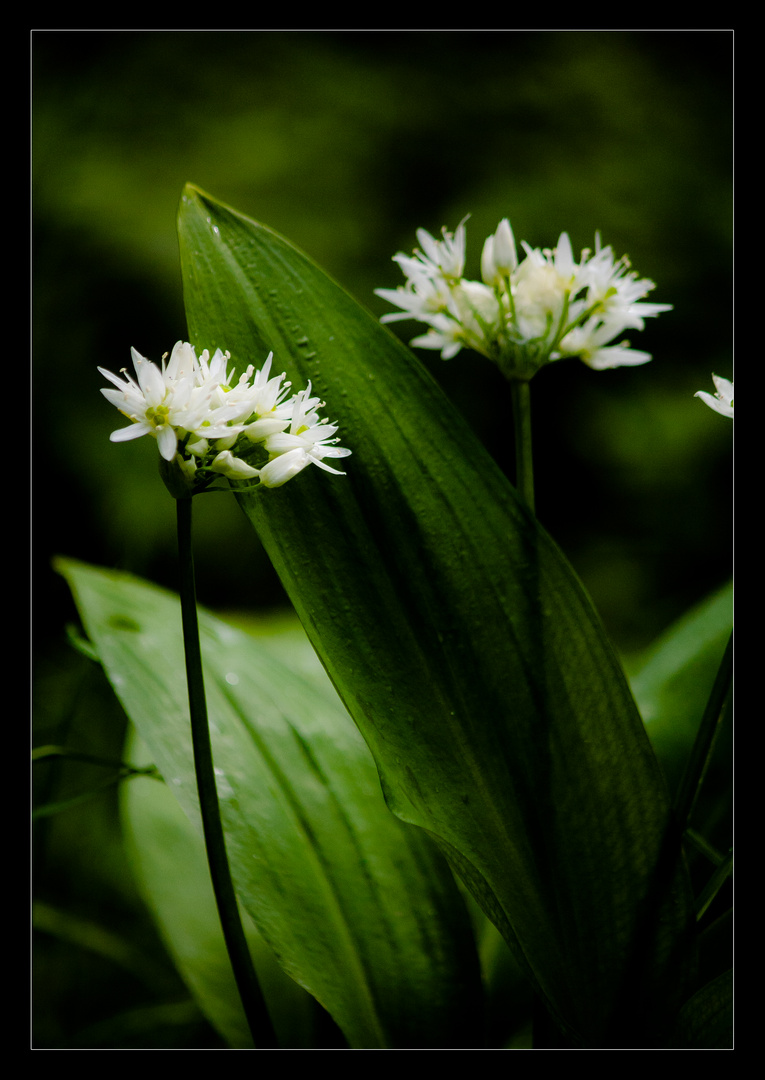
column 722, row 401
column 209, row 424
column 527, row 313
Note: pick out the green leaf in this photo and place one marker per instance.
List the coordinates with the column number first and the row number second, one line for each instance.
column 458, row 636
column 706, row 1021
column 672, row 680
column 182, row 901
column 359, row 909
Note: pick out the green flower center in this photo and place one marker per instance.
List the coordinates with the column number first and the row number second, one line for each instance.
column 158, row 416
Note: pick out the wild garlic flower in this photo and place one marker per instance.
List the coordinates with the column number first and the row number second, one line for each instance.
column 164, row 401
column 209, row 424
column 722, row 401
column 524, row 313
column 308, row 439
column 499, row 257
column 444, row 258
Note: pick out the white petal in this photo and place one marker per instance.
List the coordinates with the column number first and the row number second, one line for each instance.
column 121, row 383
column 489, row 271
column 151, row 382
column 183, row 361
column 133, row 432
column 124, row 401
column 429, row 245
column 721, row 407
column 602, row 359
column 331, row 451
column 281, row 469
column 167, row 441
column 504, row 247
column 328, row 468
column 564, row 256
column 261, row 429
column 723, row 388
column 281, row 442
column 137, row 358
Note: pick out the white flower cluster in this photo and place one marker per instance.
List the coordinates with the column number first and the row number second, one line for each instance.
column 213, row 426
column 524, row 313
column 722, row 401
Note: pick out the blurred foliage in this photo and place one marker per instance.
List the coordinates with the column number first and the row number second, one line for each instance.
column 346, row 142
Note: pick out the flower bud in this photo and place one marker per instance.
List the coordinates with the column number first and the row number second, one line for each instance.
column 499, row 258
column 233, row 467
column 505, row 258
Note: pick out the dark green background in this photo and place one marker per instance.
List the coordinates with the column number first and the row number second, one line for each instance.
column 345, row 143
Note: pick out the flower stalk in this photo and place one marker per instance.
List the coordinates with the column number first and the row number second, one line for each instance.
column 210, row 424
column 254, row 1005
column 520, row 391
column 524, row 313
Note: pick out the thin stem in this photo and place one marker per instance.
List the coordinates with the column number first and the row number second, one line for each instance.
column 704, row 847
column 713, row 886
column 254, row 1005
column 42, row 753
column 524, row 468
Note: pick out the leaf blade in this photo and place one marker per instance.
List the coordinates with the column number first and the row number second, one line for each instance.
column 456, row 633
column 359, row 909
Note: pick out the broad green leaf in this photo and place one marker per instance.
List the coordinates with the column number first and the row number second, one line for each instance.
column 359, row 909
column 181, row 898
column 706, row 1021
column 672, row 680
column 458, row 636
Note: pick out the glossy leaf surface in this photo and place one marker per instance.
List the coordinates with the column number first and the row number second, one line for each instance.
column 183, row 904
column 359, row 909
column 457, row 635
column 672, row 680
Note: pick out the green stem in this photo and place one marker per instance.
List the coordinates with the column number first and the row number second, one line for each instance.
column 703, row 846
column 713, row 886
column 42, row 753
column 524, row 468
column 233, row 931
